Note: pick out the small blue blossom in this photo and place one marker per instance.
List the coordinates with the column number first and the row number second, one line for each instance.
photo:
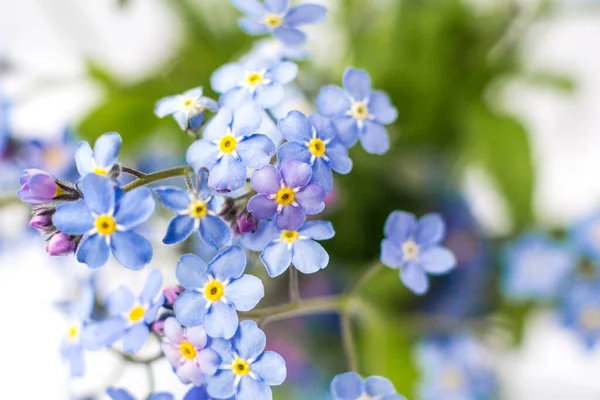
column 78, row 339
column 256, row 79
column 277, row 18
column 281, row 248
column 215, row 291
column 246, row 371
column 535, row 267
column 585, row 235
column 122, row 394
column 230, row 145
column 358, row 112
column 350, row 386
column 580, row 310
column 196, row 211
column 414, row 247
column 187, row 108
column 106, row 221
column 313, row 141
column 102, row 159
column 133, row 315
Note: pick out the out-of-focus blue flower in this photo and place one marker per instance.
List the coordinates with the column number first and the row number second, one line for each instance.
column 274, row 50
column 122, row 394
column 286, row 194
column 196, row 211
column 455, row 368
column 358, row 112
column 106, row 221
column 280, row 248
column 101, row 160
column 350, row 386
column 275, row 17
column 188, row 350
column 535, row 267
column 4, row 123
column 415, row 248
column 38, row 187
column 200, row 393
column 246, row 372
column 133, row 314
column 580, row 310
column 313, row 141
column 256, row 80
column 230, row 145
column 586, row 235
column 215, row 291
column 78, row 339
column 187, row 108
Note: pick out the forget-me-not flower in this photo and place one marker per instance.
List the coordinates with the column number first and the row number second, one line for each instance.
column 415, row 248
column 106, row 221
column 256, row 79
column 358, row 112
column 102, row 159
column 77, row 339
column 215, row 291
column 122, row 394
column 585, row 235
column 313, row 141
column 280, row 248
column 196, row 211
column 230, row 145
column 286, row 194
column 246, row 370
column 187, row 108
column 276, row 17
column 350, row 386
column 580, row 310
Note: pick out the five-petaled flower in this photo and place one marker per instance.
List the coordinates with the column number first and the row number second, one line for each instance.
column 102, row 159
column 187, row 108
column 414, row 247
column 106, row 221
column 246, row 371
column 358, row 112
column 313, row 141
column 230, row 145
column 286, row 194
column 215, row 291
column 276, row 17
column 350, row 386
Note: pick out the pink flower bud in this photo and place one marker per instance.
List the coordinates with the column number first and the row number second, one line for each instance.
column 60, row 244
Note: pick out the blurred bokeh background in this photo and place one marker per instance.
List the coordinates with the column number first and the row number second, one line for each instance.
column 498, row 129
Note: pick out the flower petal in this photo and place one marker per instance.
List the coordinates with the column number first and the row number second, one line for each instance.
column 190, row 308
column 227, row 77
column 293, row 150
column 414, row 278
column 235, row 97
column 202, row 154
column 338, row 157
column 98, row 193
column 276, row 6
column 135, row 338
column 93, row 251
column 250, row 7
column 173, row 331
column 270, row 367
column 208, row 360
column 306, row 14
column 347, row 386
column 227, row 175
column 250, row 389
column 358, row 83
column 166, row 106
column 218, row 125
column 120, row 301
column 437, row 260
column 374, row 139
column 266, row 180
column 221, row 320
column 180, row 228
column 381, row 107
column 253, row 27
column 173, row 198
column 196, row 335
column 215, row 231
column 107, row 148
column 277, row 258
column 333, row 101
column 262, row 207
column 323, row 126
column 400, row 226
column 131, row 249
column 289, row 36
column 317, row 230
column 191, row 271
column 268, row 96
column 135, row 207
column 152, row 286
column 221, row 385
column 295, row 173
column 246, row 120
column 321, row 174
column 391, row 254
column 285, row 72
column 84, row 158
column 291, row 218
column 245, row 293
column 73, row 218
column 249, row 340
column 311, row 198
column 295, row 127
column 256, row 150
column 347, row 130
column 430, row 229
column 309, row 256
column 264, row 234
column 229, row 263
column 377, row 386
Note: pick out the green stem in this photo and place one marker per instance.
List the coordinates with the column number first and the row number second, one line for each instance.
column 158, row 176
column 348, row 341
column 294, row 285
column 363, row 278
column 319, row 305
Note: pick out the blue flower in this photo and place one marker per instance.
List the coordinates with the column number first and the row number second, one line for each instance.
column 280, row 248
column 106, row 221
column 200, row 393
column 196, row 211
column 122, row 394
column 276, row 17
column 187, row 108
column 5, row 108
column 313, row 141
column 256, row 80
column 246, row 371
column 214, row 292
column 102, row 159
column 585, row 235
column 230, row 145
column 78, row 339
column 358, row 112
column 535, row 267
column 455, row 367
column 580, row 310
column 350, row 386
column 133, row 314
column 414, row 247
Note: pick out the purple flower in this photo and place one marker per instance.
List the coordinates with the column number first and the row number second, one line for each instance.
column 188, row 351
column 60, row 244
column 38, row 187
column 41, row 220
column 246, row 223
column 414, row 247
column 286, row 194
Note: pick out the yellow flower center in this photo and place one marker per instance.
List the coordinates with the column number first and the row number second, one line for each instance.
column 214, row 290
column 273, row 20
column 73, row 332
column 452, row 379
column 289, row 236
column 106, row 225
column 317, row 147
column 188, row 350
column 590, row 318
column 59, row 191
column 410, row 250
column 188, row 102
column 136, row 313
column 240, row 367
column 285, row 196
column 254, row 79
column 198, row 209
column 359, row 110
column 100, row 171
column 228, row 144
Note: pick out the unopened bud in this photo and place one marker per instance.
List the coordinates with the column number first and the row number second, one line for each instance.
column 60, row 244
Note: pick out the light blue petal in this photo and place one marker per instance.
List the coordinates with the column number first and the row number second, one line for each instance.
column 76, row 362
column 253, row 27
column 107, row 148
column 135, row 207
column 268, row 96
column 295, row 127
column 289, row 36
column 309, row 256
column 377, row 386
column 73, row 218
column 246, row 120
column 400, row 226
column 202, row 154
column 321, row 174
column 180, row 228
column 131, row 249
column 437, row 260
column 120, row 301
column 270, row 367
column 182, row 119
column 295, row 174
column 391, row 254
column 152, row 311
column 98, row 193
column 166, row 106
column 261, row 237
column 235, row 97
column 381, row 107
column 221, row 385
column 135, row 338
column 203, row 191
column 162, row 396
column 104, row 333
column 293, row 150
column 194, row 92
column 430, row 229
column 229, row 263
column 276, row 6
column 358, row 83
column 256, row 151
column 310, row 198
column 266, row 180
column 245, row 293
column 93, row 251
column 152, row 286
column 227, row 77
column 333, row 101
column 374, row 139
column 323, row 126
column 227, row 175
column 338, row 157
column 249, row 341
column 306, row 14
column 119, row 394
column 277, row 258
column 173, row 198
column 317, row 230
column 84, row 159
column 209, row 104
column 347, row 130
column 250, row 7
column 217, row 126
column 191, row 271
column 414, row 278
column 250, row 389
column 220, row 320
column 215, row 231
column 190, row 308
column 348, row 386
column 285, row 72
column 262, row 207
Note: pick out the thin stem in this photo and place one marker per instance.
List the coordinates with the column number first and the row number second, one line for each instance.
column 151, row 383
column 272, row 116
column 363, row 278
column 348, row 341
column 319, row 305
column 134, row 360
column 134, row 172
column 294, row 285
column 158, row 176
